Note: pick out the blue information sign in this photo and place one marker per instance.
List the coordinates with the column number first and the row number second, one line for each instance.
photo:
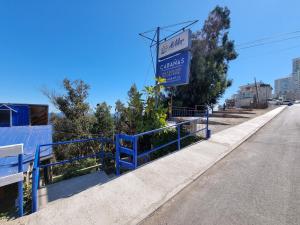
column 175, row 69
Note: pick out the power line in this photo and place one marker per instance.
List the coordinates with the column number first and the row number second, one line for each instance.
column 168, row 26
column 273, row 52
column 177, row 24
column 267, row 38
column 266, row 43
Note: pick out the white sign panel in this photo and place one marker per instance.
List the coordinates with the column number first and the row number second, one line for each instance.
column 175, row 44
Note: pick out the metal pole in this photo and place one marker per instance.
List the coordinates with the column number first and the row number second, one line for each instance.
column 156, row 72
column 20, row 185
column 117, row 155
column 257, row 97
column 207, row 121
column 135, row 148
column 178, row 137
column 35, row 179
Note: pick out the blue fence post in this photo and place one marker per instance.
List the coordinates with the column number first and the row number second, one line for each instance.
column 101, row 155
column 34, row 190
column 178, row 137
column 20, row 185
column 117, row 144
column 35, row 180
column 135, row 149
column 207, row 121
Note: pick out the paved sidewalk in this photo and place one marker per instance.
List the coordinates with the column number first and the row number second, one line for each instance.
column 133, row 196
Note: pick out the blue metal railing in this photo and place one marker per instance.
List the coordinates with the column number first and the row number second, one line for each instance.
column 132, row 151
column 37, row 166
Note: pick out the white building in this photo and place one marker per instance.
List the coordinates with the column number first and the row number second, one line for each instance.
column 253, row 96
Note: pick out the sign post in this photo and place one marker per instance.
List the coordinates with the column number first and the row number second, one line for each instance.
column 157, row 58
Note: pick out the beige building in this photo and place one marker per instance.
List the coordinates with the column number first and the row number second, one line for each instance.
column 253, row 95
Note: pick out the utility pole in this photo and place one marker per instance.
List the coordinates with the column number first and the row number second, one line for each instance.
column 257, row 97
column 156, row 72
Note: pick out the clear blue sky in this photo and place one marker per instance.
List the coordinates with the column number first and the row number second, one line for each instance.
column 41, row 42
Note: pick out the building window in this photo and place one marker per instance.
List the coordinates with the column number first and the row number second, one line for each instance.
column 5, row 118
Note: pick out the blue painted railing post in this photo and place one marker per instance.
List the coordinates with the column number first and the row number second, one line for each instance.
column 117, row 155
column 178, row 137
column 207, row 121
column 35, row 179
column 135, row 149
column 20, row 185
column 101, row 157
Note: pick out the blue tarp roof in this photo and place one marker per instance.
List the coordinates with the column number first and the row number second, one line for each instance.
column 30, row 136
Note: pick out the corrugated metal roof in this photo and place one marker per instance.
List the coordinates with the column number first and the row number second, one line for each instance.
column 30, row 136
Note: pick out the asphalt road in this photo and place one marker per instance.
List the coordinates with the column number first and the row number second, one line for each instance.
column 256, row 184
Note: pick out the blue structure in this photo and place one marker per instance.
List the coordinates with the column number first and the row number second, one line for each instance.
column 31, row 137
column 13, row 114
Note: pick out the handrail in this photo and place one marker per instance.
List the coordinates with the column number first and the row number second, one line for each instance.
column 37, row 166
column 164, row 128
column 134, row 155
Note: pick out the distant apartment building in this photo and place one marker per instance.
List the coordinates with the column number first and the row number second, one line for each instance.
column 289, row 87
column 296, row 77
column 296, row 65
column 284, row 87
column 253, row 95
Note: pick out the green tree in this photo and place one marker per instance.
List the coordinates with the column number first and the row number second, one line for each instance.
column 155, row 112
column 135, row 110
column 75, row 121
column 212, row 50
column 140, row 115
column 120, row 117
column 104, row 124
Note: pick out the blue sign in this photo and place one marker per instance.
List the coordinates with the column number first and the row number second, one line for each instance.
column 175, row 69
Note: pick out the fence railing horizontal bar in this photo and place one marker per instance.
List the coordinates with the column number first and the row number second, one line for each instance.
column 157, row 148
column 126, row 137
column 10, row 179
column 107, row 140
column 127, row 151
column 70, row 160
column 192, row 133
column 164, row 128
column 126, row 165
column 11, row 150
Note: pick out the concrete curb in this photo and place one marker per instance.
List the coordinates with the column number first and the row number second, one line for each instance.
column 132, row 197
